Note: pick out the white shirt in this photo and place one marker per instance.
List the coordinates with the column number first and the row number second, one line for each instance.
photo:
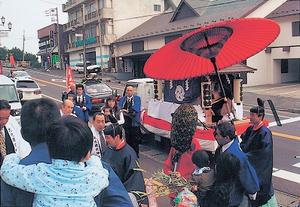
column 226, row 146
column 96, row 136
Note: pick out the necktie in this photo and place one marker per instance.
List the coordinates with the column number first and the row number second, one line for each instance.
column 79, row 101
column 2, row 145
column 102, row 141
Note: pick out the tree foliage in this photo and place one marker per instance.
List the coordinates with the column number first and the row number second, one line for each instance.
column 18, row 55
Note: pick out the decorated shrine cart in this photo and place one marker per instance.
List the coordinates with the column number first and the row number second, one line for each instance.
column 203, row 68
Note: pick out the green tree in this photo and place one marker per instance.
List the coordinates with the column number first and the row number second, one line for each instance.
column 3, row 53
column 17, row 53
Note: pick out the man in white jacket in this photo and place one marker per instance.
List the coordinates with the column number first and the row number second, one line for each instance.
column 11, row 140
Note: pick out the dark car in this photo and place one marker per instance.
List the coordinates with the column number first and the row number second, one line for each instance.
column 98, row 92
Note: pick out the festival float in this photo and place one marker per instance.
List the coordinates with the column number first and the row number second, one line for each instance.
column 202, row 68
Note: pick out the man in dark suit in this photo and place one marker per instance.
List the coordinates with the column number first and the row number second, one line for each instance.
column 247, row 182
column 131, row 107
column 11, row 140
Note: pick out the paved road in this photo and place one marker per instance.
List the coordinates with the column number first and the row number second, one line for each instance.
column 286, row 173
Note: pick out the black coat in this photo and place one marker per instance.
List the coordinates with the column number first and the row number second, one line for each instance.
column 258, row 145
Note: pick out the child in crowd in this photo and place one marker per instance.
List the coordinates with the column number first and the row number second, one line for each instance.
column 227, row 173
column 203, row 176
column 73, row 178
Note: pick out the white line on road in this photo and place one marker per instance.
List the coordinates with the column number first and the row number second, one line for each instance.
column 286, row 121
column 297, row 165
column 52, row 98
column 293, row 177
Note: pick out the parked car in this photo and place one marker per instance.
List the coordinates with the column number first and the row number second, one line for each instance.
column 98, row 92
column 29, row 88
column 79, row 66
column 8, row 92
column 93, row 69
column 20, row 75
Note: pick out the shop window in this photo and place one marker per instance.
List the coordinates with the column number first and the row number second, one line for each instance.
column 157, row 7
column 171, row 37
column 296, row 28
column 284, row 66
column 137, row 46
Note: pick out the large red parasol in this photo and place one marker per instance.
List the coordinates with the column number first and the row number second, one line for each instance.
column 211, row 48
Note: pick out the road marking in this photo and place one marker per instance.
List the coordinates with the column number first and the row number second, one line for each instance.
column 297, row 165
column 285, row 121
column 287, row 136
column 52, row 98
column 58, row 80
column 43, row 81
column 287, row 176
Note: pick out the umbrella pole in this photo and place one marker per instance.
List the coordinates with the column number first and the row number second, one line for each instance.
column 213, row 60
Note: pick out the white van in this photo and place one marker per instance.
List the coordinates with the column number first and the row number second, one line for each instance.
column 8, row 92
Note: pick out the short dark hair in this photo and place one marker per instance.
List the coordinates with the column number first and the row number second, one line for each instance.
column 79, row 85
column 200, row 158
column 69, row 139
column 113, row 130
column 36, row 117
column 226, row 128
column 260, row 111
column 227, row 167
column 4, row 104
column 97, row 114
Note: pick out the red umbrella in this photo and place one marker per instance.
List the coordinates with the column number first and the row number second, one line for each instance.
column 211, row 48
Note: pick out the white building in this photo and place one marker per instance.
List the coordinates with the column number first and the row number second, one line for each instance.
column 135, row 47
column 103, row 22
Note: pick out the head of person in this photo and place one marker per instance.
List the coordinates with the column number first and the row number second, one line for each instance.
column 4, row 112
column 200, row 158
column 113, row 135
column 111, row 102
column 227, row 167
column 216, row 92
column 219, row 195
column 70, row 139
column 257, row 114
column 73, row 87
column 36, row 117
column 99, row 121
column 129, row 91
column 79, row 89
column 107, row 111
column 71, row 96
column 67, row 107
column 224, row 132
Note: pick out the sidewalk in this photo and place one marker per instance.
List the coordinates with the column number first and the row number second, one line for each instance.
column 285, row 97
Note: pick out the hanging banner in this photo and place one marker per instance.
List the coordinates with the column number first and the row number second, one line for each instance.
column 182, row 91
column 69, row 78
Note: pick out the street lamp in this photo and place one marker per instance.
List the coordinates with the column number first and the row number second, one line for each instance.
column 9, row 25
column 3, row 20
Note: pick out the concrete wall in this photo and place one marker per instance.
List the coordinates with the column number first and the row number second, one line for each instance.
column 129, row 14
column 105, row 56
column 74, row 58
column 269, row 65
column 154, row 43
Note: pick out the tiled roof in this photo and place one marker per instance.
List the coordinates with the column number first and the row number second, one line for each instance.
column 216, row 11
column 290, row 7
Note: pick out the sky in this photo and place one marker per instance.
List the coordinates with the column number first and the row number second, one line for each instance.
column 28, row 16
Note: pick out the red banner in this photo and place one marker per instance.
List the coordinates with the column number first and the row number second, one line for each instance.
column 1, row 69
column 69, row 78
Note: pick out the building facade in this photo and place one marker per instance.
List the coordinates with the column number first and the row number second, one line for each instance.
column 135, row 47
column 48, row 45
column 101, row 22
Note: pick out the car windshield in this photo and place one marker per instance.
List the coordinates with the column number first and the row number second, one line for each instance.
column 20, row 74
column 97, row 88
column 26, row 84
column 9, row 93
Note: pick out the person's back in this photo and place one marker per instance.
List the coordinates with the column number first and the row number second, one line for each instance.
column 67, row 181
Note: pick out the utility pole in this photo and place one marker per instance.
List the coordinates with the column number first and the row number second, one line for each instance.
column 23, row 46
column 83, row 38
column 61, row 59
